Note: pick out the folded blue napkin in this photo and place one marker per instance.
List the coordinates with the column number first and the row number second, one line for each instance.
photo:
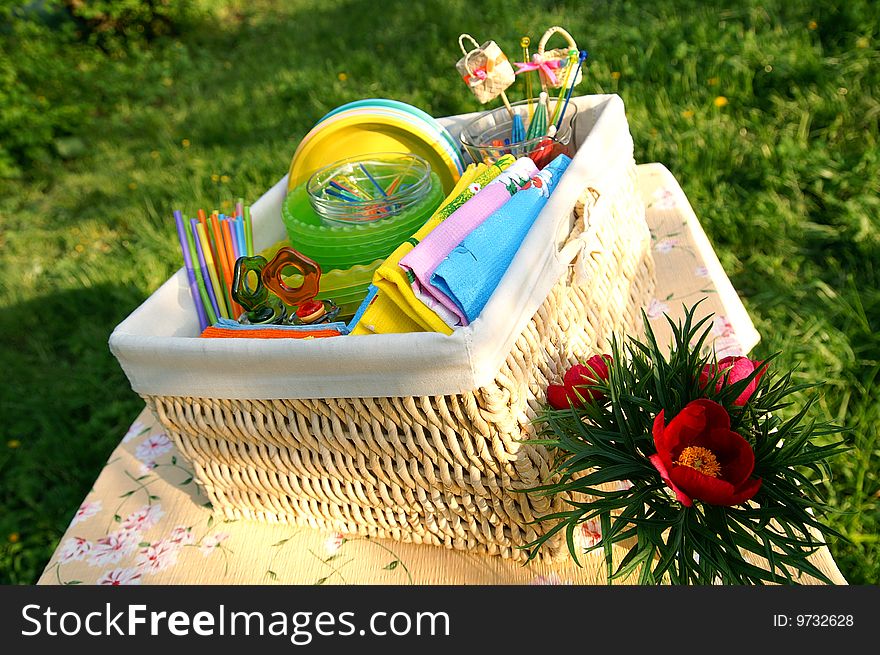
column 472, row 271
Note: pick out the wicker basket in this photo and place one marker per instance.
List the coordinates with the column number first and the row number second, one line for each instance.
column 445, row 469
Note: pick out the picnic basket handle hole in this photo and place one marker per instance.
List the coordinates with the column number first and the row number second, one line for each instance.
column 569, row 247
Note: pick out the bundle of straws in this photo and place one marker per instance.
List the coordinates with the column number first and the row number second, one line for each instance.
column 210, row 246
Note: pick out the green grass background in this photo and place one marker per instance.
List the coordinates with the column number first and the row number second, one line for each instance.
column 784, row 178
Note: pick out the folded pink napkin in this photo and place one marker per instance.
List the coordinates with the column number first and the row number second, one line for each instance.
column 472, row 271
column 422, row 260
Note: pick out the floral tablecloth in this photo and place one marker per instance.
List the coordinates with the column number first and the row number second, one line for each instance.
column 146, row 521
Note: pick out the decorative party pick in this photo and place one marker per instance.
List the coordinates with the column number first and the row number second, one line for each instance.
column 517, row 129
column 554, row 65
column 485, row 69
column 569, row 67
column 524, row 44
column 581, row 58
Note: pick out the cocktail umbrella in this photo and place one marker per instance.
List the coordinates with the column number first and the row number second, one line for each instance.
column 538, row 124
column 517, row 129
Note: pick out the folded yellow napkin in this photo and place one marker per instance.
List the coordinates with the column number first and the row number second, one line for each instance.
column 395, row 308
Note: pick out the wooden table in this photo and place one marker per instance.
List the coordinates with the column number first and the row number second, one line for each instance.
column 146, row 521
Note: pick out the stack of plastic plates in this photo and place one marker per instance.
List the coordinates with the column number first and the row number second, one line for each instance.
column 375, row 125
column 348, row 288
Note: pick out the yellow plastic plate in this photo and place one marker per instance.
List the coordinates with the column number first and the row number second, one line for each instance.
column 426, row 126
column 363, row 135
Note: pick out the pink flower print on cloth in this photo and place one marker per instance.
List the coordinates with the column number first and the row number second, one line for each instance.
column 143, row 519
column 212, row 542
column 726, row 343
column 146, row 468
column 656, row 309
column 422, row 260
column 727, row 347
column 663, row 198
column 86, row 511
column 74, row 549
column 664, row 246
column 588, row 534
column 158, row 556
column 137, row 429
column 333, row 543
column 113, row 547
column 149, row 450
column 118, row 577
column 721, row 327
column 182, row 536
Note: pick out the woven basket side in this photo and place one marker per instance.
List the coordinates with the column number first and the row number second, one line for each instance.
column 604, row 297
column 443, row 470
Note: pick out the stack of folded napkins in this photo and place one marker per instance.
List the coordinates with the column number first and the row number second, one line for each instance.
column 441, row 278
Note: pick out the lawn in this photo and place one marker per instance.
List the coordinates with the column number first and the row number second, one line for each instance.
column 767, row 114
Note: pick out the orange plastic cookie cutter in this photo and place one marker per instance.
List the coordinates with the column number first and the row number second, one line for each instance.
column 308, row 268
column 309, row 309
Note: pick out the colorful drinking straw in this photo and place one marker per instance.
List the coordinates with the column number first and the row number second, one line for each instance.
column 215, row 248
column 190, row 272
column 211, row 244
column 225, row 264
column 373, row 180
column 249, row 231
column 203, row 271
column 242, row 240
column 212, row 271
column 203, row 293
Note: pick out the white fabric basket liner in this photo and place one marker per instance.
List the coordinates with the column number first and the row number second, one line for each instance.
column 158, row 347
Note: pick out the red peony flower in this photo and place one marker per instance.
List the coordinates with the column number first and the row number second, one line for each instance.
column 698, row 456
column 576, row 387
column 732, row 370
